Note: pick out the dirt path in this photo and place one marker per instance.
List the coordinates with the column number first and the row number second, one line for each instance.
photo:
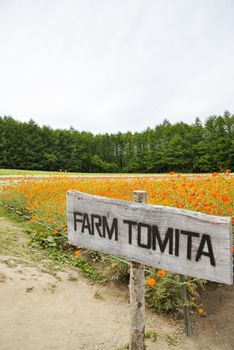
column 46, row 307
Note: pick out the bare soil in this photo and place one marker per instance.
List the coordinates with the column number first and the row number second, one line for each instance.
column 46, row 306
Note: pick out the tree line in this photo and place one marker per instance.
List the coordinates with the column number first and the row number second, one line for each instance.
column 181, row 147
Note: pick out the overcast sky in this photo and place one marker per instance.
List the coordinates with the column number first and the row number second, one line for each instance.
column 116, row 65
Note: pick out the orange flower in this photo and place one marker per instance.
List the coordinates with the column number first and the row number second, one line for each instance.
column 225, row 198
column 162, row 273
column 55, row 232
column 77, row 253
column 46, row 198
column 171, row 173
column 201, row 311
column 151, row 282
column 233, row 249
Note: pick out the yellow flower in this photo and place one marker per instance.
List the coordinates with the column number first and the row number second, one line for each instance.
column 201, row 311
column 77, row 253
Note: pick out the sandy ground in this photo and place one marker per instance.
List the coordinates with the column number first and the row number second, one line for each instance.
column 63, row 311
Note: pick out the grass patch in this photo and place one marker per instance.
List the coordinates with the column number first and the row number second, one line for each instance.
column 18, row 244
column 19, row 172
column 154, row 336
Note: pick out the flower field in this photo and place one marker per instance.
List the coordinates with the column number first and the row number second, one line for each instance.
column 43, row 203
column 44, row 200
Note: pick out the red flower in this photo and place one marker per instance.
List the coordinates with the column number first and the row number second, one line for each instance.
column 225, row 198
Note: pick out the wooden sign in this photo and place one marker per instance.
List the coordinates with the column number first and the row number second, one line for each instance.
column 176, row 240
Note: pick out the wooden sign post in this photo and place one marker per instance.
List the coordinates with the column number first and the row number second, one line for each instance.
column 177, row 240
column 137, row 295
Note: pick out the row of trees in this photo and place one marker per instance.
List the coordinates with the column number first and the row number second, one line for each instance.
column 180, row 147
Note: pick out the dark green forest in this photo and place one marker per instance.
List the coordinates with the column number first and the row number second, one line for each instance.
column 198, row 147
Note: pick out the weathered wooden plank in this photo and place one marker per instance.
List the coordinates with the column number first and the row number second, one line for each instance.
column 137, row 295
column 177, row 240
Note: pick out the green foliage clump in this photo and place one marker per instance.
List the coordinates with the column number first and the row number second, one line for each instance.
column 165, row 294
